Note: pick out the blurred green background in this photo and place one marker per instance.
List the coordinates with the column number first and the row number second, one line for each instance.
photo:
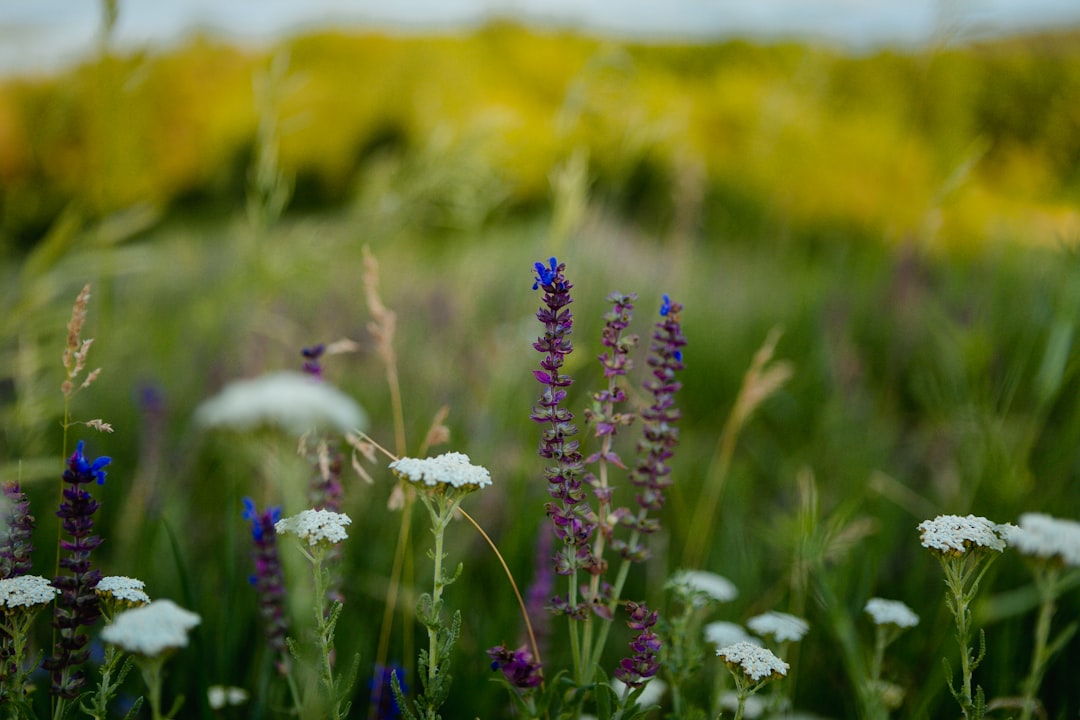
column 909, row 218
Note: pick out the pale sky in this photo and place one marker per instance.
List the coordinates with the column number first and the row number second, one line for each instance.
column 45, row 34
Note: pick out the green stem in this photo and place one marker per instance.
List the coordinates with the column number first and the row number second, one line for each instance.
column 1046, row 582
column 322, row 623
column 150, row 668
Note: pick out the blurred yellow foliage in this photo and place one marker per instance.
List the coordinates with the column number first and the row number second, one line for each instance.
column 804, row 134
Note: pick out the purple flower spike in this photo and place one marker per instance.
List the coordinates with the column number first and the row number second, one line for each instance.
column 636, row 670
column 311, row 360
column 16, row 542
column 268, row 578
column 660, row 433
column 574, row 523
column 517, row 666
column 77, row 604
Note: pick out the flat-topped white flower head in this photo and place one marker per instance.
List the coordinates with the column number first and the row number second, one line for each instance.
column 152, row 629
column 315, row 526
column 702, row 587
column 118, row 593
column 293, row 401
column 780, row 626
column 954, row 535
column 891, row 612
column 753, row 661
column 1046, row 537
column 123, row 589
column 451, row 469
column 723, row 633
column 26, row 591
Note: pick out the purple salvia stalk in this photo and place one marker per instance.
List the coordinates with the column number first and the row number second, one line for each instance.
column 311, row 360
column 606, row 421
column 16, row 531
column 325, row 490
column 644, row 663
column 660, row 434
column 268, row 579
column 572, row 519
column 77, row 604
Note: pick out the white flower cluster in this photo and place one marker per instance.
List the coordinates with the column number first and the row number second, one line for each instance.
column 954, row 535
column 722, row 633
column 152, row 629
column 315, row 526
column 704, row 586
column 891, row 612
column 453, row 469
column 123, row 589
column 219, row 696
column 1047, row 537
column 293, row 401
column 757, row 663
column 780, row 626
column 26, row 591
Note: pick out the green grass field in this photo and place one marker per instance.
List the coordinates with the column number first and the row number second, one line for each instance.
column 906, row 220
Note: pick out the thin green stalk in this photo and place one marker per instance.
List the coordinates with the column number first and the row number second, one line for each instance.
column 324, row 622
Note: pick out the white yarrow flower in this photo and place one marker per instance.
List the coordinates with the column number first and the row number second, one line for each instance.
column 757, row 663
column 780, row 626
column 705, row 586
column 152, row 629
column 954, row 535
column 315, row 526
column 26, row 591
column 891, row 612
column 453, row 469
column 1047, row 537
column 293, row 401
column 124, row 589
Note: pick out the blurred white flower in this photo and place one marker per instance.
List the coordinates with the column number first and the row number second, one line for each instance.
column 704, row 586
column 219, row 696
column 891, row 612
column 1047, row 537
column 753, row 706
column 722, row 633
column 315, row 526
column 780, row 626
column 651, row 695
column 293, row 401
column 152, row 629
column 757, row 663
column 954, row 535
column 453, row 469
column 26, row 591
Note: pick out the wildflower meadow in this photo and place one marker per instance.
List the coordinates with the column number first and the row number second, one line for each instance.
column 441, row 451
